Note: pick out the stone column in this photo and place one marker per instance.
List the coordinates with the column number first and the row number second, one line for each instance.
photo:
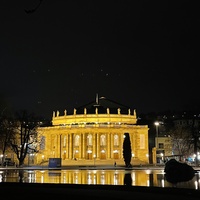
column 108, row 145
column 111, row 144
column 83, row 145
column 94, row 145
column 70, row 146
column 98, row 146
column 67, row 146
column 79, row 147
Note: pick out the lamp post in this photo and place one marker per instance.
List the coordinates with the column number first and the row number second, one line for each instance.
column 156, row 124
column 94, row 159
column 60, row 146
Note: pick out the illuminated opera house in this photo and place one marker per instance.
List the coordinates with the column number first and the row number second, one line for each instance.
column 94, row 134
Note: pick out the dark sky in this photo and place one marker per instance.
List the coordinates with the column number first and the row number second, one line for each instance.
column 58, row 54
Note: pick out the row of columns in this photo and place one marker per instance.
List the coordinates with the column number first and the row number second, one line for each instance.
column 94, row 149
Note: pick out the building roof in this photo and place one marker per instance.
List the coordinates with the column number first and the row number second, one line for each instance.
column 101, row 111
column 102, row 104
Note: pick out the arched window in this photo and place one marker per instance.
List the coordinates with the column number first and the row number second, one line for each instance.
column 103, row 140
column 116, row 140
column 89, row 140
column 76, row 140
column 65, row 141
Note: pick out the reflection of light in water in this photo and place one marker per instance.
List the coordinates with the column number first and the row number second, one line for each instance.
column 95, row 179
column 42, row 177
column 160, row 179
column 115, row 178
column 76, row 178
column 133, row 178
column 31, row 176
column 163, row 182
column 197, row 182
column 64, row 177
column 103, row 178
column 148, row 171
column 89, row 179
column 1, row 176
column 142, row 177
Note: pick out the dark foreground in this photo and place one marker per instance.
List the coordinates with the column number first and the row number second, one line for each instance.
column 70, row 191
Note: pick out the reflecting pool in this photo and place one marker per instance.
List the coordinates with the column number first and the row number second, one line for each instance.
column 148, row 178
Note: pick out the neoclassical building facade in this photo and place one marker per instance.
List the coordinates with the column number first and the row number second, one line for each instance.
column 93, row 134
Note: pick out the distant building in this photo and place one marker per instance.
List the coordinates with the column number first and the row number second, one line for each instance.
column 183, row 144
column 94, row 134
column 163, row 149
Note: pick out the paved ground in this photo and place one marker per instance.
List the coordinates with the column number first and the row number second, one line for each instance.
column 97, row 192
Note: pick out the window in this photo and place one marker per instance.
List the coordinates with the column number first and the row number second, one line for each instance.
column 161, row 146
column 64, row 141
column 42, row 143
column 116, row 140
column 89, row 140
column 77, row 140
column 103, row 140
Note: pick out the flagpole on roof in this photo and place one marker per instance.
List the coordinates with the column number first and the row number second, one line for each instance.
column 97, row 99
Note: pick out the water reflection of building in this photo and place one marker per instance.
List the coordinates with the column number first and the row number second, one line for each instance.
column 93, row 134
column 149, row 178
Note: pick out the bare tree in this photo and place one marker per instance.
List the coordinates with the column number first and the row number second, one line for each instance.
column 25, row 141
column 181, row 140
column 6, row 134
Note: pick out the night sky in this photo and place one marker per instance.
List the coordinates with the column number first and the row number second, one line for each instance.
column 58, row 54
